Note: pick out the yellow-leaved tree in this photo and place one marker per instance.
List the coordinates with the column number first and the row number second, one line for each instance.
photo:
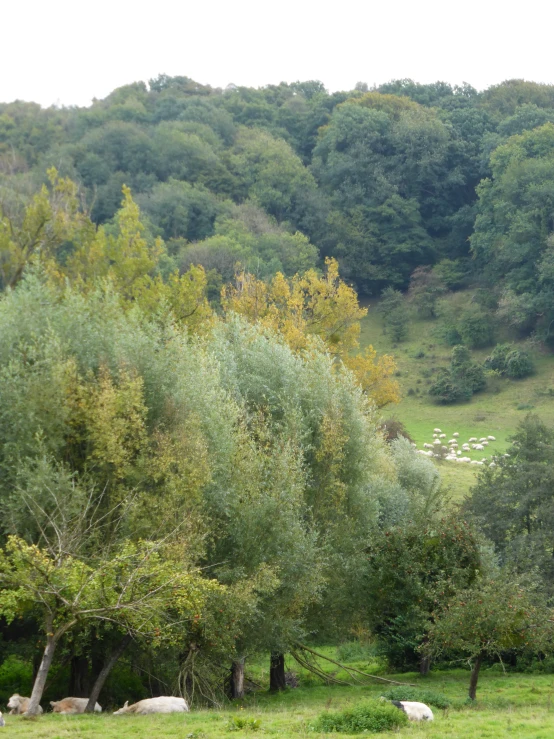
column 51, row 219
column 314, row 304
column 120, row 254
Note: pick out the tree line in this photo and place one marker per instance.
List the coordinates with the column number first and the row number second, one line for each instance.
column 386, row 181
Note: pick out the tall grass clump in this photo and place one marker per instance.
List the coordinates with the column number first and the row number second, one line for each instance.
column 370, row 716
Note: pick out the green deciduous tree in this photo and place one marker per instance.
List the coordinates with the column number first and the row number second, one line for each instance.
column 513, row 501
column 494, row 616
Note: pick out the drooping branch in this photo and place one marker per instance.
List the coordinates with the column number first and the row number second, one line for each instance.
column 349, row 670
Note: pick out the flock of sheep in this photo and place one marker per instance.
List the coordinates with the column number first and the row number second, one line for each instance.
column 452, row 451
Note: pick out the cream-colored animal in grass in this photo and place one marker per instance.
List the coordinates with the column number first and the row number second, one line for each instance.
column 19, row 704
column 73, row 705
column 162, row 704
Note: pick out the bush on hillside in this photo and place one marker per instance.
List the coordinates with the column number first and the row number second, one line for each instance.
column 476, row 327
column 371, row 716
column 510, row 362
column 461, row 381
column 446, row 390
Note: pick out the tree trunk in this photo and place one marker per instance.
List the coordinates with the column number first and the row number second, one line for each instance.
column 277, row 672
column 42, row 673
column 104, row 672
column 424, row 665
column 475, row 676
column 236, row 681
column 79, row 679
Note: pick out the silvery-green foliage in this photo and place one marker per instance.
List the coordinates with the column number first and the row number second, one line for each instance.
column 417, row 475
column 297, row 392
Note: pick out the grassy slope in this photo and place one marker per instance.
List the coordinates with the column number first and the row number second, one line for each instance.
column 495, row 414
column 516, row 705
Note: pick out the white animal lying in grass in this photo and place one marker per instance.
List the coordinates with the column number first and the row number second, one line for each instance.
column 73, row 705
column 415, row 711
column 162, row 704
column 19, row 704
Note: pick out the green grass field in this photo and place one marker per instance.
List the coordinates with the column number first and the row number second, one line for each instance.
column 508, row 705
column 488, row 413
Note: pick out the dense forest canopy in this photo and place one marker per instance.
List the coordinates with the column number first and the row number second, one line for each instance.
column 279, row 177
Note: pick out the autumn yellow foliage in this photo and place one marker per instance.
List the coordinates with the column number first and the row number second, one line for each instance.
column 311, row 305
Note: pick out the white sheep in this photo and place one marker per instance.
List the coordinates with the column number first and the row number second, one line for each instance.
column 427, row 446
column 451, row 441
column 485, row 443
column 491, row 438
column 437, row 431
column 459, row 452
column 466, row 447
column 474, row 461
column 415, row 711
column 442, row 436
column 456, row 434
column 437, row 441
column 473, row 438
column 478, row 447
column 483, row 438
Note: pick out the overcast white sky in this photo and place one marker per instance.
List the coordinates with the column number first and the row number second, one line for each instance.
column 67, row 51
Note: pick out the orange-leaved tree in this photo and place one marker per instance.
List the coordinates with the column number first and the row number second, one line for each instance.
column 315, row 305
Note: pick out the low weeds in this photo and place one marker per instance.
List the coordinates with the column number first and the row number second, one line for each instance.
column 371, row 716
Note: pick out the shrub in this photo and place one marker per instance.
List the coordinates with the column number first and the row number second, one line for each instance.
column 446, row 390
column 493, row 379
column 452, row 336
column 509, row 361
column 497, row 359
column 486, row 299
column 371, row 716
column 519, row 364
column 476, row 327
column 430, row 697
column 16, row 676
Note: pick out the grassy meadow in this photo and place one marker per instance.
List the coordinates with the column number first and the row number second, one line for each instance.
column 515, row 705
column 488, row 413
